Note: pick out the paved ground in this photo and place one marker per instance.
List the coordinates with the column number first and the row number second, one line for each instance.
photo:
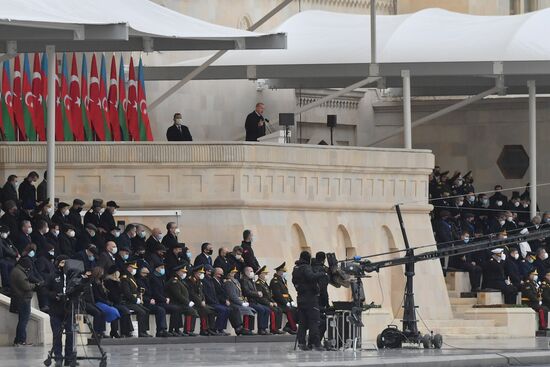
column 456, row 353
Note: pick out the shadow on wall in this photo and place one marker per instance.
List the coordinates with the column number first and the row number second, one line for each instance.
column 396, row 278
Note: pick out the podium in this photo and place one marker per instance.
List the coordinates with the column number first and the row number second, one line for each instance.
column 275, row 137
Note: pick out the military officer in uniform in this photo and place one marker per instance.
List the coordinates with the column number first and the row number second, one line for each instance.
column 276, row 315
column 494, row 277
column 178, row 293
column 279, row 291
column 545, row 290
column 132, row 296
column 207, row 313
column 531, row 295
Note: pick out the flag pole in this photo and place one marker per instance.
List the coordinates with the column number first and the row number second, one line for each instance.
column 50, row 133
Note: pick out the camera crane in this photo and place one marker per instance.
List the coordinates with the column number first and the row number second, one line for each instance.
column 359, row 267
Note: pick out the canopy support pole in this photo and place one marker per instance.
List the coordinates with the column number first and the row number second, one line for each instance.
column 532, row 146
column 336, row 94
column 442, row 112
column 407, row 117
column 50, row 133
column 373, row 31
column 163, row 97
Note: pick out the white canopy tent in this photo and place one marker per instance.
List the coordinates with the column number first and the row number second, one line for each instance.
column 431, row 52
column 109, row 25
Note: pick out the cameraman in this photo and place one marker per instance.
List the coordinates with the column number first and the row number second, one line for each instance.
column 318, row 266
column 60, row 313
column 22, row 287
column 306, row 282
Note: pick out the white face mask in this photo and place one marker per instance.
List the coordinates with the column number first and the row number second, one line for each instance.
column 502, row 222
column 52, row 252
column 515, row 256
column 183, row 276
column 201, row 276
column 55, row 232
column 516, row 204
column 179, row 121
column 142, row 234
column 116, row 234
column 509, row 219
column 133, row 272
column 535, row 278
column 499, row 203
column 29, row 230
column 102, row 210
column 114, row 250
column 238, row 257
column 545, row 256
column 66, row 212
column 50, row 210
column 177, row 231
column 91, row 233
column 4, row 235
column 525, row 205
column 46, row 230
column 70, row 233
column 32, row 253
column 250, row 275
column 503, row 257
column 114, row 211
column 159, row 236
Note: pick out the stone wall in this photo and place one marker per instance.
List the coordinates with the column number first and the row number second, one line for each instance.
column 292, row 197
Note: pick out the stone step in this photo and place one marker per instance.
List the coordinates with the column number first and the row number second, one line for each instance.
column 466, row 330
column 462, row 301
column 459, row 323
column 458, row 294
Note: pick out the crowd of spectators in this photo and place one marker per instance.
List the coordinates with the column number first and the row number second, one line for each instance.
column 132, row 271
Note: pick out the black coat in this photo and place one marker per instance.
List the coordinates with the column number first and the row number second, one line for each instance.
column 42, row 191
column 91, row 217
column 249, row 257
column 202, row 259
column 27, row 195
column 157, row 284
column 67, row 246
column 88, row 264
column 169, row 240
column 9, row 193
column 253, row 131
column 105, row 260
column 75, row 219
column 8, row 251
column 12, row 222
column 54, row 287
column 107, row 221
column 178, row 134
column 222, row 262
column 59, row 218
column 151, row 243
column 306, row 282
column 209, row 290
column 21, row 240
column 39, row 240
column 220, row 291
column 123, row 241
column 114, row 290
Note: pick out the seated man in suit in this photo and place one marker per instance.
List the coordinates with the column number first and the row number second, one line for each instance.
column 178, row 131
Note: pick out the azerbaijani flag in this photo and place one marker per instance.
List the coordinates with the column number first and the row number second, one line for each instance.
column 94, row 106
column 16, row 100
column 85, row 101
column 39, row 99
column 122, row 101
column 65, row 102
column 7, row 106
column 143, row 118
column 103, row 98
column 132, row 103
column 29, row 101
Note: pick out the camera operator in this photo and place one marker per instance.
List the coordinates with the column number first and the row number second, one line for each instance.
column 306, row 282
column 318, row 266
column 60, row 313
column 22, row 287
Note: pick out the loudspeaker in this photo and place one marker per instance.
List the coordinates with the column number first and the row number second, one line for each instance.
column 331, row 120
column 286, row 119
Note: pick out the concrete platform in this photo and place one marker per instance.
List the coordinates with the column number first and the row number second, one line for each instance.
column 456, row 353
column 197, row 340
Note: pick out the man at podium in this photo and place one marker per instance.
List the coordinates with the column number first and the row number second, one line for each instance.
column 255, row 123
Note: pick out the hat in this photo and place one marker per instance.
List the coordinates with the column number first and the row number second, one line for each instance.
column 158, row 247
column 91, row 227
column 97, row 203
column 281, row 267
column 534, row 271
column 131, row 264
column 174, row 245
column 234, row 270
column 261, row 270
column 61, row 258
column 156, row 264
column 112, row 269
column 198, row 269
column 67, row 226
column 515, row 195
column 78, row 202
column 25, row 262
column 4, row 229
column 93, row 249
column 497, row 251
column 62, row 205
column 524, row 231
column 112, row 204
column 180, row 267
column 305, row 256
column 208, row 267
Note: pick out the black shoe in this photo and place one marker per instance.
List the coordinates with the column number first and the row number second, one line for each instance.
column 127, row 335
column 277, row 332
column 262, row 332
column 213, row 332
column 162, row 334
column 145, row 335
column 115, row 335
column 246, row 332
column 70, row 362
column 289, row 330
column 303, row 347
column 319, row 348
column 204, row 333
column 223, row 333
column 191, row 334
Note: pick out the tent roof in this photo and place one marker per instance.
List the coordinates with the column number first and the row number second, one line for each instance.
column 451, row 52
column 116, row 25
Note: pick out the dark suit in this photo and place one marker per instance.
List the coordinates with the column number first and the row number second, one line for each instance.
column 92, row 217
column 203, row 259
column 107, row 221
column 27, row 195
column 253, row 131
column 178, row 133
column 9, row 193
column 41, row 191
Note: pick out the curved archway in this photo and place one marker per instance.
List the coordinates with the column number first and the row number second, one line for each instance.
column 299, row 238
column 245, row 22
column 344, row 242
column 396, row 279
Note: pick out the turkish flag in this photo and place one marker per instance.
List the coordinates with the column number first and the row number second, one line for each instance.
column 132, row 112
column 40, row 99
column 17, row 102
column 74, row 94
column 94, row 106
column 113, row 102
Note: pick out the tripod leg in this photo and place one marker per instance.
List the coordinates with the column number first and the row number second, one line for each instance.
column 96, row 338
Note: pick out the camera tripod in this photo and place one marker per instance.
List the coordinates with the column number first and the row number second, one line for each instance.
column 74, row 310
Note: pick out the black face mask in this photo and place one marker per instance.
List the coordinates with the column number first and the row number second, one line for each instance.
column 209, row 252
column 78, row 210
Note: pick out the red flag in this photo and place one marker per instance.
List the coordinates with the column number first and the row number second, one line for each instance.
column 113, row 102
column 76, row 112
column 58, row 119
column 17, row 102
column 8, row 128
column 133, row 125
column 94, row 106
column 40, row 101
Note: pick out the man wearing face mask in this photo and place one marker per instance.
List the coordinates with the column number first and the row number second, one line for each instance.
column 196, row 293
column 139, row 239
column 67, row 240
column 205, row 257
column 175, row 256
column 22, row 289
column 122, row 257
column 41, row 189
column 53, row 236
column 253, row 296
column 74, row 218
column 178, row 293
column 125, row 238
column 235, row 260
column 178, row 131
column 466, row 263
column 9, row 191
column 87, row 236
column 143, row 280
column 512, row 267
column 248, row 253
column 154, row 239
column 94, row 214
column 223, row 299
column 107, row 257
column 498, row 199
column 276, row 314
column 531, row 295
column 157, row 283
column 158, row 254
column 542, row 263
column 132, row 298
column 88, row 256
column 211, row 299
column 222, row 260
column 45, row 266
column 171, row 237
column 107, row 221
column 8, row 257
column 9, row 218
column 494, row 276
column 23, row 237
column 113, row 234
column 279, row 290
column 61, row 215
column 43, row 212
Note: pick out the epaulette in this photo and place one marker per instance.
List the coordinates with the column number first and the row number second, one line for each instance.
column 124, row 276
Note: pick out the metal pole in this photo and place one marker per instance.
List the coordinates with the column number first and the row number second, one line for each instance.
column 373, row 31
column 533, row 145
column 407, row 119
column 214, row 57
column 50, row 133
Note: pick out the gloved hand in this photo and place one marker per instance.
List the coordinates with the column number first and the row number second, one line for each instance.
column 246, row 304
column 138, row 301
column 293, row 304
column 191, row 304
column 288, row 304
